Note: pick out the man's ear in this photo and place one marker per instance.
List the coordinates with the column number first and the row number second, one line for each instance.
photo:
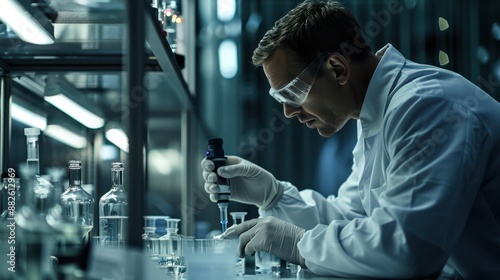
column 340, row 67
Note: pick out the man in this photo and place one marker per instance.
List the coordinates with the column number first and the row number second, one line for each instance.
column 424, row 190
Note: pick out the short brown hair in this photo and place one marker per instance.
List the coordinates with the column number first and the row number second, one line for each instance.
column 314, row 27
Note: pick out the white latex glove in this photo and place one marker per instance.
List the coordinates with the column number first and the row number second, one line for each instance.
column 250, row 183
column 271, row 235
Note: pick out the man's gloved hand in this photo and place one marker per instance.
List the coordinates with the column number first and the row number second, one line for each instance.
column 250, row 183
column 271, row 235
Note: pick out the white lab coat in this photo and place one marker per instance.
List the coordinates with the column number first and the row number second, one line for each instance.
column 425, row 185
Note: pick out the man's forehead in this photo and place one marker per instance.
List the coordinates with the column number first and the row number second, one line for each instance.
column 280, row 66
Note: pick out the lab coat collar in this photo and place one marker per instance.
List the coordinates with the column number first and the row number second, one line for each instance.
column 381, row 83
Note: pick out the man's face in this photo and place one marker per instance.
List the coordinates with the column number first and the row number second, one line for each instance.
column 328, row 105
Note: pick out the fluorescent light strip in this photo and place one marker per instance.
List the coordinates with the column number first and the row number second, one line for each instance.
column 75, row 111
column 118, row 137
column 29, row 84
column 24, row 23
column 27, row 117
column 65, row 136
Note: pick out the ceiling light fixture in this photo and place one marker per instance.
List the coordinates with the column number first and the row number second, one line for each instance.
column 74, row 105
column 27, row 117
column 118, row 137
column 29, row 23
column 65, row 136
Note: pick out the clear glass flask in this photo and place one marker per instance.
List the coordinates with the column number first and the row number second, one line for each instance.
column 239, row 267
column 77, row 205
column 113, row 209
column 171, row 258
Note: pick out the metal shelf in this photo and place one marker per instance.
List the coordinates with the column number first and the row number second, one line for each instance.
column 92, row 45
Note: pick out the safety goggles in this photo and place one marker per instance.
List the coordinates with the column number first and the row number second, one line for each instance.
column 295, row 92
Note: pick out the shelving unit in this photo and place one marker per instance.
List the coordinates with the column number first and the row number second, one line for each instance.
column 110, row 61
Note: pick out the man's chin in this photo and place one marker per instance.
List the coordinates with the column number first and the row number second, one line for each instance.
column 325, row 132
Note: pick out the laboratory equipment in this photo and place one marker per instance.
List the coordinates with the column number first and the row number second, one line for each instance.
column 36, row 237
column 161, row 225
column 239, row 268
column 77, row 205
column 43, row 190
column 113, row 209
column 238, row 217
column 293, row 270
column 215, row 153
column 150, row 237
column 212, row 258
column 43, row 235
column 56, row 178
column 10, row 195
column 267, row 263
column 171, row 258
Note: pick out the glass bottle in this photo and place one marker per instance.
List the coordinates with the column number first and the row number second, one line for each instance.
column 35, row 238
column 150, row 238
column 171, row 258
column 77, row 204
column 43, row 191
column 239, row 268
column 113, row 212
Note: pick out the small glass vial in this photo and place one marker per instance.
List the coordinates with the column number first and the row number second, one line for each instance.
column 150, row 238
column 171, row 257
column 113, row 210
column 77, row 205
column 239, row 267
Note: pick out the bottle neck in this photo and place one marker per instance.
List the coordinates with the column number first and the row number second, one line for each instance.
column 149, row 229
column 172, row 230
column 117, row 178
column 75, row 177
column 32, row 158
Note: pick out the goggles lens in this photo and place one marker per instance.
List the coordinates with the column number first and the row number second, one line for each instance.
column 295, row 92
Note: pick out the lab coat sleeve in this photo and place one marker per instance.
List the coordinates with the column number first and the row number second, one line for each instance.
column 432, row 147
column 309, row 208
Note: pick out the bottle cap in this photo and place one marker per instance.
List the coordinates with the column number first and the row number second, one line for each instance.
column 74, row 164
column 31, row 131
column 117, row 165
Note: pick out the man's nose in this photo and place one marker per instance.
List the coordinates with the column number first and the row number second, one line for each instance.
column 290, row 111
